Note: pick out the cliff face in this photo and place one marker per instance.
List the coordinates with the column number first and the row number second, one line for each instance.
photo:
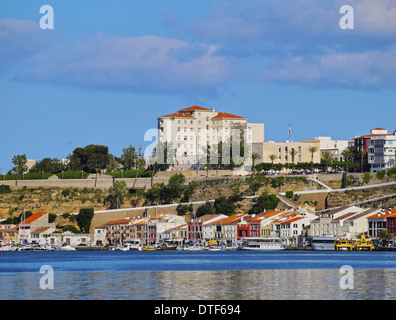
column 53, row 200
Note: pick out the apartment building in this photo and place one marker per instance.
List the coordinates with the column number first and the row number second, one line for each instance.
column 287, row 152
column 335, row 147
column 191, row 129
column 381, row 149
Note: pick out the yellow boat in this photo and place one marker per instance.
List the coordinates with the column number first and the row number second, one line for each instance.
column 363, row 242
column 148, row 249
column 343, row 244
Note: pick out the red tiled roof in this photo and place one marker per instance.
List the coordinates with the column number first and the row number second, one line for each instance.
column 34, row 217
column 195, row 108
column 226, row 116
column 178, row 115
column 387, row 214
column 374, row 135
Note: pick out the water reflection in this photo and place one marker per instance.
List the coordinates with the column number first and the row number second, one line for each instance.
column 319, row 284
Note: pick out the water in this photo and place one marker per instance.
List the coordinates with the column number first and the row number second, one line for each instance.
column 235, row 275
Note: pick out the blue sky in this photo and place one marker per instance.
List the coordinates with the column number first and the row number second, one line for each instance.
column 109, row 69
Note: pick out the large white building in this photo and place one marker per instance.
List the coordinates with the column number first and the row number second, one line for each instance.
column 190, row 130
column 381, row 149
column 335, row 147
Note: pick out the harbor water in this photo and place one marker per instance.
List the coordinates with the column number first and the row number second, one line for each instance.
column 174, row 275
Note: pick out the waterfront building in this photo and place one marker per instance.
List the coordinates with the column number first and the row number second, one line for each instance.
column 291, row 227
column 69, row 238
column 8, row 234
column 178, row 234
column 391, row 221
column 200, row 229
column 31, row 227
column 379, row 222
column 352, row 224
column 379, row 150
column 164, row 222
column 225, row 230
column 325, row 223
column 117, row 231
column 266, row 227
column 100, row 235
column 191, row 129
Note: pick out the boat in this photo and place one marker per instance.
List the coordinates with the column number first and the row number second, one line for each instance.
column 363, row 242
column 193, row 248
column 167, row 247
column 148, row 248
column 67, row 248
column 216, row 248
column 343, row 244
column 257, row 243
column 325, row 243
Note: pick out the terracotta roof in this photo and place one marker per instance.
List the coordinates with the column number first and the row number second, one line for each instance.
column 195, row 108
column 387, row 214
column 34, row 217
column 226, row 116
column 178, row 115
column 293, row 219
column 374, row 135
column 229, row 219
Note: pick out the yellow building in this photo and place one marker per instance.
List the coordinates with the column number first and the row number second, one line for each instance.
column 288, row 152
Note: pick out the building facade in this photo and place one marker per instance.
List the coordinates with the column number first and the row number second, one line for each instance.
column 335, row 147
column 287, row 152
column 190, row 130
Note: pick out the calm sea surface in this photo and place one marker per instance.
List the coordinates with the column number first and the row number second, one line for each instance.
column 198, row 275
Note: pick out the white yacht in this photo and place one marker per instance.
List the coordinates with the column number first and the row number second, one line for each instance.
column 324, row 243
column 257, row 243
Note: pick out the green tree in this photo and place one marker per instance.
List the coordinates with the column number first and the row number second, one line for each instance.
column 312, row 150
column 19, row 162
column 255, row 157
column 129, row 158
column 272, row 158
column 264, row 202
column 362, row 153
column 348, row 155
column 293, row 152
column 90, row 158
column 84, row 219
column 189, row 191
column 117, row 194
column 366, row 177
column 176, row 186
column 327, row 158
column 155, row 193
column 207, row 208
column 380, row 174
column 222, row 205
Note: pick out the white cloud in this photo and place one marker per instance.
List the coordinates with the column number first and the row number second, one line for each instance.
column 20, row 39
column 371, row 69
column 147, row 63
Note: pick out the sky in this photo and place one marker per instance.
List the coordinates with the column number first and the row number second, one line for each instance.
column 108, row 69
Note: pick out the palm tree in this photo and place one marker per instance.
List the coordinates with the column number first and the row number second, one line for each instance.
column 362, row 154
column 347, row 154
column 312, row 150
column 327, row 157
column 272, row 158
column 255, row 156
column 293, row 153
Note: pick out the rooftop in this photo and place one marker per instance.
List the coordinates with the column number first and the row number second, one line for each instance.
column 34, row 217
column 226, row 115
